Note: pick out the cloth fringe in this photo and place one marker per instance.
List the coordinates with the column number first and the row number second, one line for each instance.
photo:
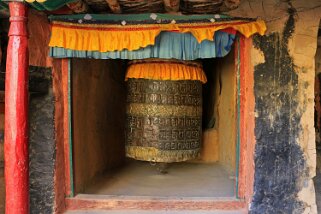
column 166, row 70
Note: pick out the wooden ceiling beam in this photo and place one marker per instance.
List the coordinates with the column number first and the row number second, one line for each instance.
column 114, row 6
column 78, row 6
column 171, row 5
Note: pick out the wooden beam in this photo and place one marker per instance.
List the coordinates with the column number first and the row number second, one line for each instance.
column 78, row 6
column 114, row 6
column 171, row 5
column 104, row 203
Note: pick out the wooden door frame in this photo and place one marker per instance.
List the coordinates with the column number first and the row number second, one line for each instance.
column 244, row 157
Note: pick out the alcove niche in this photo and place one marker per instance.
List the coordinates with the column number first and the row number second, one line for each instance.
column 98, row 108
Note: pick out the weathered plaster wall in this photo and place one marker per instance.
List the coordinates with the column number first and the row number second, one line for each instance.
column 284, row 70
column 277, row 128
column 318, row 54
column 39, row 36
column 227, row 112
column 98, row 91
column 211, row 93
column 317, row 94
column 210, row 146
column 219, row 112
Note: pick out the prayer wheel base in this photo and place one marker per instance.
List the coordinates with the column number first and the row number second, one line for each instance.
column 161, row 156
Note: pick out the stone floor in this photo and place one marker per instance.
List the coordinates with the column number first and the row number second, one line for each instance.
column 183, row 179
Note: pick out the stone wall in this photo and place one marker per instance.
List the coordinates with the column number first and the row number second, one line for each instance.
column 41, row 141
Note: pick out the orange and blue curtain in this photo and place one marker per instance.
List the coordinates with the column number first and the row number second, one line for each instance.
column 147, row 36
column 168, row 45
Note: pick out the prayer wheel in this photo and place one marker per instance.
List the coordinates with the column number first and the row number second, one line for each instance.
column 164, row 110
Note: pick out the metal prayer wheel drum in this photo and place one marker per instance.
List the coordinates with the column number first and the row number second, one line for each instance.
column 164, row 110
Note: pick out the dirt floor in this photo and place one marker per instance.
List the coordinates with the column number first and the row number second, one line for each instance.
column 317, row 183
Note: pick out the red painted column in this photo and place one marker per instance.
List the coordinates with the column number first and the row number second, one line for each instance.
column 16, row 113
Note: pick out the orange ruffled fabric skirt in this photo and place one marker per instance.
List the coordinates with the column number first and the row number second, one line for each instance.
column 159, row 69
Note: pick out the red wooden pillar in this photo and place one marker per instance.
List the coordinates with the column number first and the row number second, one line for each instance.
column 16, row 113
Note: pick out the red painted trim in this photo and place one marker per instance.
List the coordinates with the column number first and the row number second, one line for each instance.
column 136, row 203
column 65, row 68
column 241, row 184
column 16, row 113
column 59, row 177
column 247, row 123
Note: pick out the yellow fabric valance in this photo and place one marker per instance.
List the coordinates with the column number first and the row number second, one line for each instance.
column 155, row 69
column 104, row 38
